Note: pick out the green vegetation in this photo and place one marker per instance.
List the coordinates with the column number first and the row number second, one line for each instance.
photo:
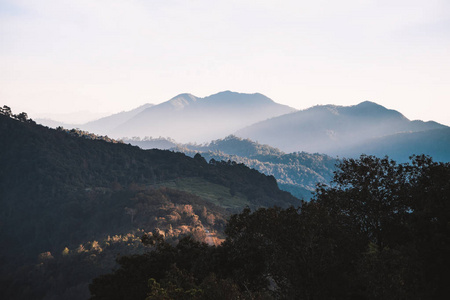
column 214, row 193
column 61, row 189
column 297, row 173
column 379, row 231
column 74, row 207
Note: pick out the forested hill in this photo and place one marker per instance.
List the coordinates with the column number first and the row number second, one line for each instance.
column 297, row 172
column 63, row 188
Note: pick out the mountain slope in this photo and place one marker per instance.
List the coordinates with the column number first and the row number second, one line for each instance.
column 400, row 146
column 101, row 126
column 64, row 188
column 332, row 129
column 187, row 118
column 104, row 125
column 53, row 124
column 297, row 173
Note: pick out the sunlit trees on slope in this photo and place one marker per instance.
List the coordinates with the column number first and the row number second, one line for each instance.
column 380, row 230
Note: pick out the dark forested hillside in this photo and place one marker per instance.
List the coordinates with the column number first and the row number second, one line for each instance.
column 379, row 231
column 297, row 172
column 64, row 188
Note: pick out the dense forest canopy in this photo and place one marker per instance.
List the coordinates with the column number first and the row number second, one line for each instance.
column 65, row 188
column 71, row 202
column 297, row 172
column 379, row 231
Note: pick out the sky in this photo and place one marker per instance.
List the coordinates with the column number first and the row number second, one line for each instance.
column 87, row 58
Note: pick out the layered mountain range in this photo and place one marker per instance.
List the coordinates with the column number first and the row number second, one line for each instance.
column 70, row 202
column 351, row 130
column 187, row 118
column 296, row 172
column 344, row 131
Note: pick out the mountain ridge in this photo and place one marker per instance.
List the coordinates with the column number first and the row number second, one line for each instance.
column 335, row 130
column 330, row 128
column 206, row 118
column 68, row 189
column 297, row 173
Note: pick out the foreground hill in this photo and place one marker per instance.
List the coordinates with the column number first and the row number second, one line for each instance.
column 297, row 172
column 380, row 231
column 63, row 189
column 187, row 118
column 337, row 130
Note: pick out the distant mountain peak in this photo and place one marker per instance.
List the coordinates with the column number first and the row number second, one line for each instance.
column 144, row 106
column 327, row 108
column 372, row 109
column 184, row 95
column 230, row 97
column 331, row 128
column 228, row 93
column 181, row 101
column 188, row 118
column 368, row 103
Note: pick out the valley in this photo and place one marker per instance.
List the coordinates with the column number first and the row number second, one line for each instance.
column 78, row 198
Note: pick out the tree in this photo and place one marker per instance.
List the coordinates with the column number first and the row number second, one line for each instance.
column 296, row 253
column 22, row 117
column 371, row 193
column 430, row 223
column 404, row 213
column 6, row 110
column 379, row 231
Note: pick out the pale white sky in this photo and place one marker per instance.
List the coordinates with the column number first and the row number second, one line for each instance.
column 105, row 56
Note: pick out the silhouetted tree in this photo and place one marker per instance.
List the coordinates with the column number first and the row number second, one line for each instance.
column 6, row 110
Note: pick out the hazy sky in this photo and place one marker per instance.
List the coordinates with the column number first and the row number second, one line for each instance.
column 105, row 56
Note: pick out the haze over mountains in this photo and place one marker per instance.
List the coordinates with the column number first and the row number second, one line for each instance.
column 187, row 118
column 345, row 131
column 399, row 146
column 71, row 202
column 64, row 193
column 297, row 172
column 106, row 124
column 349, row 131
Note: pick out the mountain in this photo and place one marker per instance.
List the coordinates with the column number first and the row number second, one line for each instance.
column 101, row 126
column 53, row 124
column 74, row 117
column 153, row 143
column 334, row 130
column 68, row 197
column 400, row 146
column 104, row 125
column 187, row 118
column 297, row 173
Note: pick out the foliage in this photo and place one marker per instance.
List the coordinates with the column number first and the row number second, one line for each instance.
column 88, row 135
column 22, row 117
column 401, row 211
column 63, row 188
column 297, row 173
column 379, row 231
